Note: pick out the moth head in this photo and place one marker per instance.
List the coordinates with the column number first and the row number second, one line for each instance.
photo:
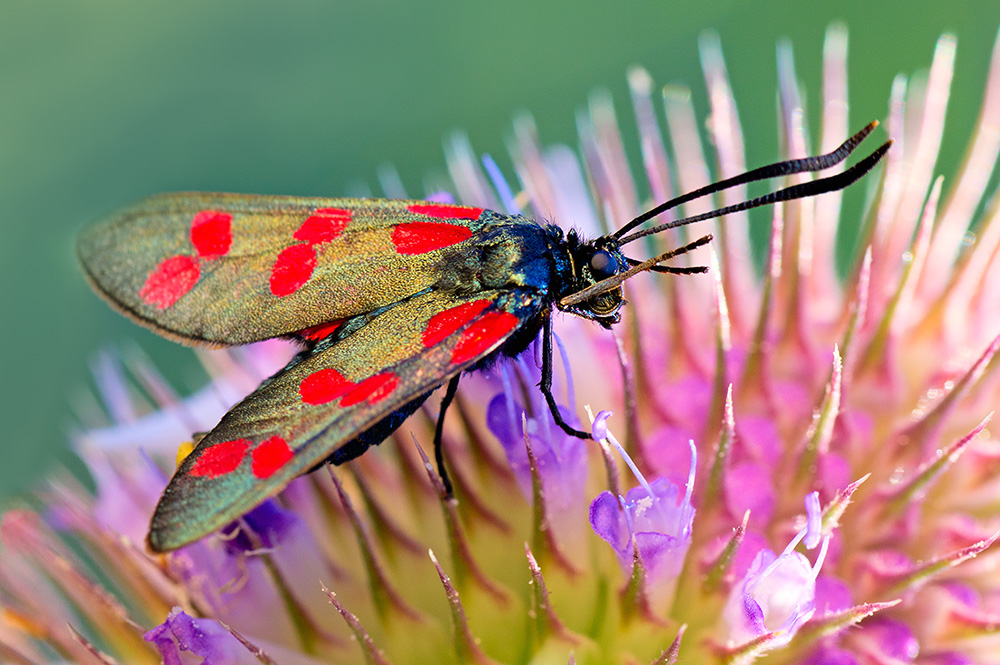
column 593, row 263
column 600, row 266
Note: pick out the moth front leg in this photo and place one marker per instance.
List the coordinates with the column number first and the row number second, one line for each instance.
column 546, row 384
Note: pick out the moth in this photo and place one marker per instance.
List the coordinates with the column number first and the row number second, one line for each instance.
column 390, row 300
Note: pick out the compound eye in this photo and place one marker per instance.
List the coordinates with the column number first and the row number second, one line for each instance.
column 603, row 265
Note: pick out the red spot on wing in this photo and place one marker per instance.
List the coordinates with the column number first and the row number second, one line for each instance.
column 323, row 226
column 269, row 456
column 446, row 211
column 421, row 237
column 445, row 323
column 324, row 386
column 316, row 333
column 373, row 389
column 212, row 233
column 170, row 280
column 220, row 458
column 482, row 334
column 293, row 268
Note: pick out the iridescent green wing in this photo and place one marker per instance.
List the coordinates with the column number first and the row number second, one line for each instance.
column 233, row 268
column 325, row 398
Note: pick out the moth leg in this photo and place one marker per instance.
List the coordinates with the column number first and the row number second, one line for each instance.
column 546, row 384
column 449, row 395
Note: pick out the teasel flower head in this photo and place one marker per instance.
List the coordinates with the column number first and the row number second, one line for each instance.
column 799, row 468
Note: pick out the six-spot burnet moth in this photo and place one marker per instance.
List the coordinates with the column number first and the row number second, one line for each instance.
column 390, row 299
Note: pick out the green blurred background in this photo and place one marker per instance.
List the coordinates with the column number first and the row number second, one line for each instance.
column 105, row 101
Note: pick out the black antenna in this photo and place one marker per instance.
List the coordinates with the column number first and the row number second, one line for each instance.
column 806, row 164
column 800, row 191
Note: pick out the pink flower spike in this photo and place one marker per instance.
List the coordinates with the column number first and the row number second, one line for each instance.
column 440, row 197
column 814, row 521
